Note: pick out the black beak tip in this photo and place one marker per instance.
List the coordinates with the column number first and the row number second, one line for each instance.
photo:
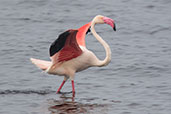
column 114, row 28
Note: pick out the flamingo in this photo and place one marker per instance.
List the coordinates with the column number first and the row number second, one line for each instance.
column 69, row 54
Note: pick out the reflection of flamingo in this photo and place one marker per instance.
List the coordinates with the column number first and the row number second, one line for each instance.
column 69, row 54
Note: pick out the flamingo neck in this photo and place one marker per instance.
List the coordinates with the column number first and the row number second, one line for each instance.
column 105, row 45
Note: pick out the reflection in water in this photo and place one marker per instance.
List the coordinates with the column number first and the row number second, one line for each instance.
column 68, row 105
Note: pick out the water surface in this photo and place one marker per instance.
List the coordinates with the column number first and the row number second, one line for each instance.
column 137, row 81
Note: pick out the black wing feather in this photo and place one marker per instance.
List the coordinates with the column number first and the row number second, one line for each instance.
column 58, row 44
column 88, row 30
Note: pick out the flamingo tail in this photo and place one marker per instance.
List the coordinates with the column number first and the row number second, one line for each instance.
column 42, row 64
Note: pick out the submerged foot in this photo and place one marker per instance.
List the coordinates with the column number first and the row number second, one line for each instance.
column 73, row 94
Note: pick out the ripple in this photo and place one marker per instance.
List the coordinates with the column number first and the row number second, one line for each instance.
column 157, row 68
column 114, row 101
column 14, row 92
column 18, row 18
column 158, row 30
column 166, row 93
column 150, row 6
column 133, row 104
column 24, row 18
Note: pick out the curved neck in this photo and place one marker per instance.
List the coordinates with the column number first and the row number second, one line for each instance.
column 105, row 45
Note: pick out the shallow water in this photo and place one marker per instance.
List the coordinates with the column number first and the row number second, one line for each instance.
column 137, row 81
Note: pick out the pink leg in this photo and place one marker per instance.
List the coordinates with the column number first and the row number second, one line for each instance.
column 60, row 86
column 73, row 88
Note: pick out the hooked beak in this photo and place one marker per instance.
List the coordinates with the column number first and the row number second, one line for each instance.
column 110, row 22
column 114, row 27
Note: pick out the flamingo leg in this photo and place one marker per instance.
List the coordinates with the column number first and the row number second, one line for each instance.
column 58, row 91
column 73, row 88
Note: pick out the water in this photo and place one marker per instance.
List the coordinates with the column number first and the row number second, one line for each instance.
column 137, row 81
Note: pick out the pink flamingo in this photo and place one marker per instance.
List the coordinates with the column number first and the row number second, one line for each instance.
column 69, row 54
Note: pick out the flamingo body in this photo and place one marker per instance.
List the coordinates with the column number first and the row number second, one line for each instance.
column 85, row 60
column 69, row 54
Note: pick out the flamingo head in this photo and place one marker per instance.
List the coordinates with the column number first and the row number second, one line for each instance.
column 99, row 19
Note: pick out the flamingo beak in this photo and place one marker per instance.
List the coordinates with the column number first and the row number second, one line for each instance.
column 110, row 22
column 114, row 27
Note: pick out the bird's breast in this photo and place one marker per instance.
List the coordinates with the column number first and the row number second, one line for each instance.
column 81, row 62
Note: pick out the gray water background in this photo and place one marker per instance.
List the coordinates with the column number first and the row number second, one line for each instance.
column 137, row 81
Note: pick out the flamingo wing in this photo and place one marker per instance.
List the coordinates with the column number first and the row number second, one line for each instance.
column 82, row 31
column 65, row 47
